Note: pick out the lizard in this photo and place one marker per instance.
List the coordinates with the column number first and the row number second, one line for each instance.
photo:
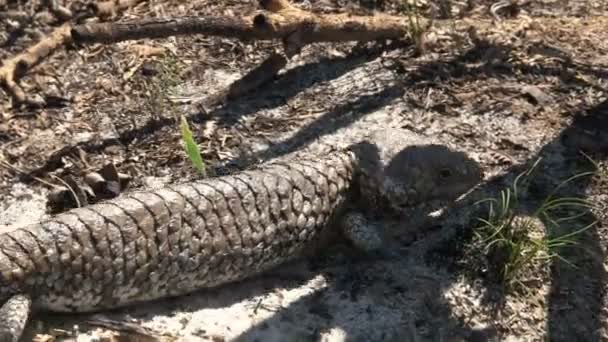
column 160, row 243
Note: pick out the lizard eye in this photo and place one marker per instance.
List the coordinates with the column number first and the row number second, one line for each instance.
column 445, row 173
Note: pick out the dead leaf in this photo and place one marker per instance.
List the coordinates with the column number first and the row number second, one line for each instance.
column 538, row 96
column 72, row 195
column 127, row 75
column 44, row 338
column 145, row 51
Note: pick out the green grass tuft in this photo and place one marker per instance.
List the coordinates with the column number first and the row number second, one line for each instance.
column 512, row 243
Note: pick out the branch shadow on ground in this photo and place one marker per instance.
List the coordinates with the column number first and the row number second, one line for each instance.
column 270, row 96
column 296, row 80
column 494, row 58
column 330, row 122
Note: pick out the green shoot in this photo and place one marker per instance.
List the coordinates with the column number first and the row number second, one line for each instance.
column 191, row 147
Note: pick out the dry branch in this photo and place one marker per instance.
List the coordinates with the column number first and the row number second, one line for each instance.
column 15, row 68
column 280, row 21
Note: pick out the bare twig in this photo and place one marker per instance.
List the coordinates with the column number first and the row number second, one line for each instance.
column 15, row 68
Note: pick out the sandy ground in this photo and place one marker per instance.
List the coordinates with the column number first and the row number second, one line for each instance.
column 511, row 92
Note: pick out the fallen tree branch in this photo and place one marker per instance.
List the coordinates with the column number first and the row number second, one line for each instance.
column 279, row 21
column 15, row 68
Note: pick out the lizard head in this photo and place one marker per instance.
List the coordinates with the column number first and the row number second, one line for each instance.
column 422, row 173
column 405, row 169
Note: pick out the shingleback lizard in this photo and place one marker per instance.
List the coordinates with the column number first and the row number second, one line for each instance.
column 152, row 244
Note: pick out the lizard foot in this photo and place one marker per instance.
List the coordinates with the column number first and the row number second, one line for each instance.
column 13, row 317
column 366, row 236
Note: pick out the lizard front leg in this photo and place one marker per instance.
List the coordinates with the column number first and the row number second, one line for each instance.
column 365, row 235
column 13, row 317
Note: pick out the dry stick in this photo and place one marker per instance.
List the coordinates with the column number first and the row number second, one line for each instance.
column 281, row 20
column 262, row 26
column 15, row 68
